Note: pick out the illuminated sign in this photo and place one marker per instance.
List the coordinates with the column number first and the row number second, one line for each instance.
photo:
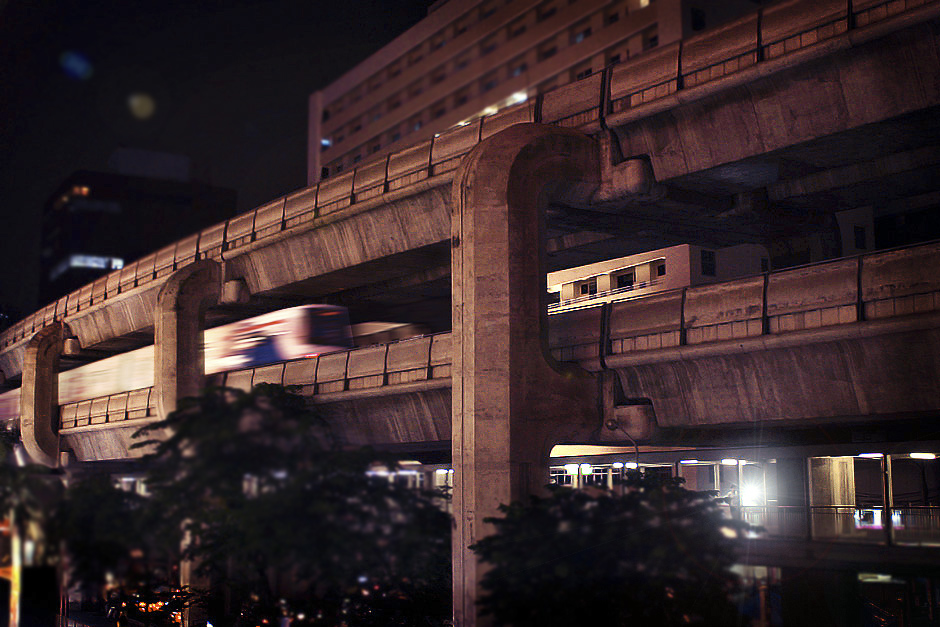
column 86, row 261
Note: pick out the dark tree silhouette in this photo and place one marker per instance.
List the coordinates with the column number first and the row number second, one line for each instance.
column 649, row 553
column 276, row 510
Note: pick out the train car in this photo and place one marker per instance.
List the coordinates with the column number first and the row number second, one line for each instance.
column 651, row 272
column 282, row 335
column 292, row 333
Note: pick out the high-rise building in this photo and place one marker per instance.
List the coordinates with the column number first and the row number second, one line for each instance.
column 469, row 58
column 95, row 222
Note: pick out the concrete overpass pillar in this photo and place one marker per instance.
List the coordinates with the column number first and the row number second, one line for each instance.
column 510, row 401
column 179, row 362
column 39, row 395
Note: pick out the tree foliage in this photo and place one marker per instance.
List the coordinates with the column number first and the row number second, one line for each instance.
column 658, row 554
column 30, row 493
column 275, row 509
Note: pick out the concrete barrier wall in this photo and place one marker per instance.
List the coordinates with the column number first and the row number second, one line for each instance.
column 724, row 311
column 646, row 323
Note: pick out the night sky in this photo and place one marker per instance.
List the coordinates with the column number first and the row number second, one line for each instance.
column 229, row 81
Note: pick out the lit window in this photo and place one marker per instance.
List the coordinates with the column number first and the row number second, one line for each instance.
column 580, row 36
column 325, row 142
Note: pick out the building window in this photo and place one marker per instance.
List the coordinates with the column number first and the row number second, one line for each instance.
column 324, row 172
column 582, row 74
column 339, row 139
column 589, row 287
column 357, row 158
column 415, row 89
column 438, row 76
column 661, row 269
column 376, row 146
column 326, row 115
column 708, row 262
column 338, row 168
column 518, row 69
column 625, row 280
column 461, row 97
column 547, row 51
column 461, row 62
column 461, row 25
column 580, row 33
column 614, row 58
column 487, row 10
column 415, row 56
column 394, row 104
column 612, row 18
column 396, row 136
column 860, row 238
column 438, row 41
column 651, row 38
column 545, row 11
column 516, row 28
column 394, row 69
column 438, row 110
column 488, row 82
column 488, row 46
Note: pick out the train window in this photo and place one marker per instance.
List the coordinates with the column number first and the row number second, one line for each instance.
column 329, row 327
column 708, row 263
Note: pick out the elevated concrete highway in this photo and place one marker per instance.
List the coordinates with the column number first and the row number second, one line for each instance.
column 851, row 341
column 757, row 130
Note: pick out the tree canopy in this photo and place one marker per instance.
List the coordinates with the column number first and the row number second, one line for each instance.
column 276, row 509
column 648, row 553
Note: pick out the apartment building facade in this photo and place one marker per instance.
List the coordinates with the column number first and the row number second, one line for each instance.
column 469, row 58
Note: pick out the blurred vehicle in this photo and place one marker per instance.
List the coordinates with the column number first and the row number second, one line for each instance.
column 287, row 334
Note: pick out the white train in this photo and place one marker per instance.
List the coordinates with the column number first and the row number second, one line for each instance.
column 651, row 272
column 293, row 333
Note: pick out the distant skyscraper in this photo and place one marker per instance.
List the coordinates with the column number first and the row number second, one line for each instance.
column 469, row 58
column 96, row 222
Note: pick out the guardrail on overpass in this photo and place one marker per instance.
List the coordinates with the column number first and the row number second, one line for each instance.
column 620, row 93
column 875, row 286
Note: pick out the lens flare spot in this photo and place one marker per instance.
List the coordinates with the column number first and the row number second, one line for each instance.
column 76, row 65
column 142, row 105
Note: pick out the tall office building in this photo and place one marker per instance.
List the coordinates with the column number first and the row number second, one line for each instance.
column 469, row 58
column 95, row 222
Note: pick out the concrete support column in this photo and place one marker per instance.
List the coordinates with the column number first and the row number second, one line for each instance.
column 39, row 395
column 179, row 360
column 510, row 401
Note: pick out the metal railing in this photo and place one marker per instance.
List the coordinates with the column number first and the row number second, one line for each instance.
column 918, row 525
